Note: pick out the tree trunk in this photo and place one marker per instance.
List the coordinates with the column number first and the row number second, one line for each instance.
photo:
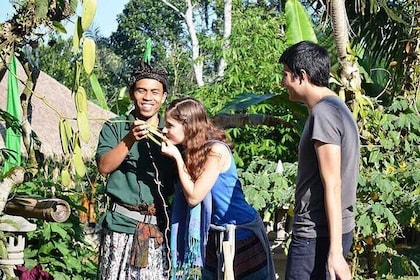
column 196, row 59
column 340, row 27
column 350, row 77
column 227, row 30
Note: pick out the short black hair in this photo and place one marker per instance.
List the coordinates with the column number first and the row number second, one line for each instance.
column 308, row 56
column 146, row 71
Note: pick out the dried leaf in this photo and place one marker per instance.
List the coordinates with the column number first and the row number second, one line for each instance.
column 83, row 216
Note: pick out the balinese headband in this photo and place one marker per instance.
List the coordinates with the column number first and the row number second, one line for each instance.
column 145, row 71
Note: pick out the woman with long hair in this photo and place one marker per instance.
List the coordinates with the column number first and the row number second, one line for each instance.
column 219, row 231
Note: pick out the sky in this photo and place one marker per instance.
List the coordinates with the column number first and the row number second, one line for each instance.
column 105, row 17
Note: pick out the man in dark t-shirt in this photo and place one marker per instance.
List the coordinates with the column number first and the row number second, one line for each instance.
column 328, row 165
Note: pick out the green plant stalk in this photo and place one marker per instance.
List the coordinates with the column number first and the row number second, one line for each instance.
column 157, row 133
column 151, row 137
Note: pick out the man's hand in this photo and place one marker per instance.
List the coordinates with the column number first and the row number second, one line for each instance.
column 338, row 267
column 139, row 130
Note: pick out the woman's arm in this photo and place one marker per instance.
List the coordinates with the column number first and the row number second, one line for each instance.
column 217, row 161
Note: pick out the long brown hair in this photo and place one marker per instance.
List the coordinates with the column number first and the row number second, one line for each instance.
column 198, row 129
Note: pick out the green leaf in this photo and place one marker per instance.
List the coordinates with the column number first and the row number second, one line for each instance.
column 58, row 229
column 148, row 51
column 89, row 49
column 391, row 13
column 3, row 250
column 78, row 33
column 82, row 114
column 46, row 248
column 62, row 247
column 60, row 276
column 66, row 134
column 96, row 87
column 47, row 231
column 73, row 263
column 243, row 101
column 81, row 100
column 88, row 13
column 59, row 27
column 381, row 248
column 65, row 177
column 83, row 125
column 365, row 224
column 78, row 163
column 13, row 138
column 299, row 26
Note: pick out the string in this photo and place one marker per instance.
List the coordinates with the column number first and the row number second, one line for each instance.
column 165, row 206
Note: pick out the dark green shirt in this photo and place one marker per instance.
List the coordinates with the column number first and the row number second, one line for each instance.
column 133, row 182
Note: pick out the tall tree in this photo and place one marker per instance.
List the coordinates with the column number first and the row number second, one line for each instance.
column 139, row 21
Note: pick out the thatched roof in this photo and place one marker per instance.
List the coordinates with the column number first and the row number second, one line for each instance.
column 45, row 120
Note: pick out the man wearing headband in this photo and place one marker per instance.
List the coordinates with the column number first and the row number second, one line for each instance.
column 135, row 225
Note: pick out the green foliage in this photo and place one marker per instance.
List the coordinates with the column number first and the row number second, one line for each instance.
column 299, row 25
column 383, row 39
column 140, row 20
column 268, row 185
column 388, row 204
column 61, row 248
column 57, row 61
column 12, row 123
column 255, row 46
column 61, row 251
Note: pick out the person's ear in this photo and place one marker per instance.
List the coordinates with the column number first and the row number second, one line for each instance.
column 303, row 76
column 165, row 95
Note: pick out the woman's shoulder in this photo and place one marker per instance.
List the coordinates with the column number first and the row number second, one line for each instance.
column 218, row 146
column 221, row 149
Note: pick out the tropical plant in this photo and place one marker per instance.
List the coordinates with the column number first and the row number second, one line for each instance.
column 268, row 185
column 252, row 76
column 388, row 196
column 62, row 249
column 140, row 21
column 20, row 36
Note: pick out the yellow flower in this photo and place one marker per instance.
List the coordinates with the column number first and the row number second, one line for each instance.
column 390, row 169
column 403, row 165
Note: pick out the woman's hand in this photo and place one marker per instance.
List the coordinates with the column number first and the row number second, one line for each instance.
column 170, row 149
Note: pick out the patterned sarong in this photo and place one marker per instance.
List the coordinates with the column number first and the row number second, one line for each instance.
column 115, row 255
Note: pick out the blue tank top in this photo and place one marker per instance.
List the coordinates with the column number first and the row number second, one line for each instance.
column 229, row 204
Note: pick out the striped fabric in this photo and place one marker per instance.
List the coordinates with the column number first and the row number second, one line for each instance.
column 244, row 266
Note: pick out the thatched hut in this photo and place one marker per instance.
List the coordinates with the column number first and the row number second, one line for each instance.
column 51, row 99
